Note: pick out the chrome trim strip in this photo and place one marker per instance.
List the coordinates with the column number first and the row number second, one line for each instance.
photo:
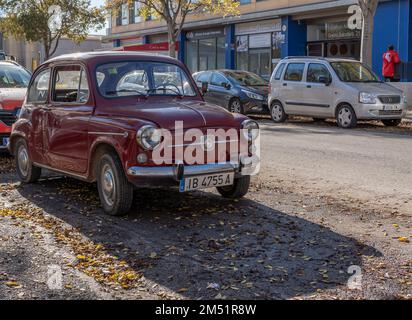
column 124, row 134
column 60, row 171
column 171, row 171
column 198, row 144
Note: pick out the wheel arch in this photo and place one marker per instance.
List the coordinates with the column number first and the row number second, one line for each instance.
column 342, row 103
column 100, row 148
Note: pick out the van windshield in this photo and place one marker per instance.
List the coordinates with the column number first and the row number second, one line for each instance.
column 349, row 71
column 134, row 78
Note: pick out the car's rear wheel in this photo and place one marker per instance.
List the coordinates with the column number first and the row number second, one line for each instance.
column 238, row 190
column 346, row 116
column 392, row 122
column 26, row 171
column 235, row 106
column 116, row 193
column 277, row 112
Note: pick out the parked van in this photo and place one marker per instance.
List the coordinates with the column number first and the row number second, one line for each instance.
column 333, row 88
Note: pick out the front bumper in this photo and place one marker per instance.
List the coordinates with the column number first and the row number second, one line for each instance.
column 171, row 175
column 381, row 111
column 255, row 106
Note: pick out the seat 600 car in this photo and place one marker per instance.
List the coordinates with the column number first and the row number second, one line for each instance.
column 125, row 120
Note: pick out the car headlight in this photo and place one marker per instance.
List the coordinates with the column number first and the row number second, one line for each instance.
column 250, row 129
column 404, row 99
column 366, row 97
column 149, row 137
column 253, row 95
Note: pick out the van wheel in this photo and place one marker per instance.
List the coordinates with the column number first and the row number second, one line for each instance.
column 235, row 106
column 26, row 171
column 277, row 113
column 346, row 117
column 238, row 190
column 392, row 122
column 116, row 193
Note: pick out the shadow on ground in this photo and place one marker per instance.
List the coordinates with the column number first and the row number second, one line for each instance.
column 250, row 250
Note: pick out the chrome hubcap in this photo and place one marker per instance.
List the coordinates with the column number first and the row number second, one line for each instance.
column 277, row 112
column 345, row 117
column 23, row 160
column 108, row 185
column 235, row 107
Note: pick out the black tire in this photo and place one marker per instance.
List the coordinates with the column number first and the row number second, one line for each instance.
column 26, row 171
column 238, row 190
column 119, row 201
column 235, row 106
column 277, row 112
column 346, row 116
column 392, row 122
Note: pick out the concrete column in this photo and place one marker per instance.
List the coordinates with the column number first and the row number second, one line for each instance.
column 295, row 34
column 182, row 46
column 230, row 47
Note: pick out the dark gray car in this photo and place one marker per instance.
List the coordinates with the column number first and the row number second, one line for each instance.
column 238, row 91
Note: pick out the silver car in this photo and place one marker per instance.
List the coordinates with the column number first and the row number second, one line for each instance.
column 333, row 88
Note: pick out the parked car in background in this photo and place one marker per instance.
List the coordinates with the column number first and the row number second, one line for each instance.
column 237, row 91
column 100, row 116
column 14, row 80
column 333, row 88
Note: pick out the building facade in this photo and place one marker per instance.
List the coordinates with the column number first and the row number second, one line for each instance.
column 268, row 30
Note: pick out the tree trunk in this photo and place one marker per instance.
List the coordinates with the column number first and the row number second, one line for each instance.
column 172, row 40
column 367, row 38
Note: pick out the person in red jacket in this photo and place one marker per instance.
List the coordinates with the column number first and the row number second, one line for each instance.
column 390, row 59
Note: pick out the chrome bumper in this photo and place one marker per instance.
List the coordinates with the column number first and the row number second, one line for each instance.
column 179, row 171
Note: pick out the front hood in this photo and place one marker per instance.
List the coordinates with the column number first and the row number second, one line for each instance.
column 12, row 98
column 262, row 90
column 376, row 88
column 194, row 114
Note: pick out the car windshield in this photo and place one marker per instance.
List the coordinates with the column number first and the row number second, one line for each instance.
column 12, row 76
column 134, row 78
column 246, row 78
column 349, row 71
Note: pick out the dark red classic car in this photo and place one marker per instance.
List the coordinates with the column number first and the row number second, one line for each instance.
column 128, row 119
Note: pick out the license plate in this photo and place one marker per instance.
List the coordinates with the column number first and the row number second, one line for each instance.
column 5, row 142
column 392, row 107
column 207, row 181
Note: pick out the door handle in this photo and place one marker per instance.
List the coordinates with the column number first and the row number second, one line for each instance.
column 308, row 86
column 285, row 84
column 46, row 108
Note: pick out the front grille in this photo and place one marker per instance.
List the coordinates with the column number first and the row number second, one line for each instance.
column 390, row 112
column 390, row 99
column 7, row 117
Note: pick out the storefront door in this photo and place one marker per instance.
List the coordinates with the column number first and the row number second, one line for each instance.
column 259, row 62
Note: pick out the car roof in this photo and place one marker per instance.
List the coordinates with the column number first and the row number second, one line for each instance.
column 317, row 59
column 109, row 55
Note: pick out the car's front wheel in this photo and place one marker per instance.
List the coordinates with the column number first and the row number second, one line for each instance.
column 346, row 116
column 238, row 190
column 277, row 112
column 392, row 122
column 115, row 191
column 26, row 171
column 235, row 106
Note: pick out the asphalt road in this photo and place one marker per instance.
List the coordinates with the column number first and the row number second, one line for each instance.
column 303, row 224
column 370, row 163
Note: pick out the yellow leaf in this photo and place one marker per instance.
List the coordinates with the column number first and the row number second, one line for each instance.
column 12, row 284
column 80, row 257
column 182, row 290
column 153, row 255
column 403, row 239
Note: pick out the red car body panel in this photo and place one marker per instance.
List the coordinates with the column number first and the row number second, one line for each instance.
column 10, row 100
column 65, row 137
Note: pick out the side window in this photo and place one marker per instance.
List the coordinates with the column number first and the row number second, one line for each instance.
column 70, row 85
column 218, row 79
column 39, row 89
column 279, row 71
column 317, row 70
column 294, row 72
column 203, row 77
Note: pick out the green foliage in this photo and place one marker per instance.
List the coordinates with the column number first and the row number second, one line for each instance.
column 29, row 20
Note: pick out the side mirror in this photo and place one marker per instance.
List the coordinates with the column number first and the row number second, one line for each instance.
column 205, row 87
column 226, row 85
column 325, row 80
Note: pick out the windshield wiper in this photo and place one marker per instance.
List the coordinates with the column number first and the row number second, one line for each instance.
column 141, row 93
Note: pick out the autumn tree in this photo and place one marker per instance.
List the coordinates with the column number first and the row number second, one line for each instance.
column 47, row 21
column 174, row 12
column 368, row 8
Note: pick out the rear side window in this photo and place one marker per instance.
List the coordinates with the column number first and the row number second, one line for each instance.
column 279, row 71
column 218, row 79
column 70, row 85
column 203, row 77
column 317, row 70
column 294, row 72
column 39, row 89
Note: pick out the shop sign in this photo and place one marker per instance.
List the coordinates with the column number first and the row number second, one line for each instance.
column 340, row 30
column 242, row 44
column 259, row 27
column 205, row 34
column 261, row 40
